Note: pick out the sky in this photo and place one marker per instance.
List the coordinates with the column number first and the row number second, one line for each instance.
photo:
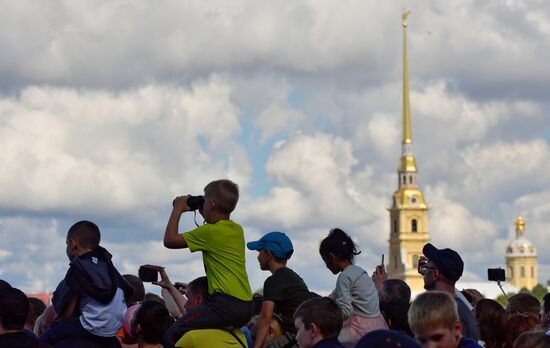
column 110, row 109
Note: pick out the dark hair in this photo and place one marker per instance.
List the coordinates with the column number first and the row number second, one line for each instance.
column 154, row 319
column 198, row 286
column 86, row 233
column 322, row 311
column 395, row 313
column 225, row 193
column 36, row 307
column 340, row 244
column 546, row 303
column 518, row 323
column 4, row 284
column 395, row 288
column 154, row 297
column 137, row 286
column 537, row 339
column 490, row 317
column 523, row 303
column 14, row 308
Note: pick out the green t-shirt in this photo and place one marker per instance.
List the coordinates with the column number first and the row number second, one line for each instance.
column 222, row 246
column 211, row 338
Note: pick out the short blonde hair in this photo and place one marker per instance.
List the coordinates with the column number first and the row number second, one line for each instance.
column 432, row 309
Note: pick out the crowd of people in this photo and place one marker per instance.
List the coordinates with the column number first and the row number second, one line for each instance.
column 95, row 306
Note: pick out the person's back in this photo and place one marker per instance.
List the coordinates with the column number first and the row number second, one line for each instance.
column 90, row 300
column 212, row 338
column 355, row 292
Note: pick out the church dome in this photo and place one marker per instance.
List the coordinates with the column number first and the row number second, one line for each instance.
column 521, row 246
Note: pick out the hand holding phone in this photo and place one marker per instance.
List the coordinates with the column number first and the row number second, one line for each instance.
column 149, row 273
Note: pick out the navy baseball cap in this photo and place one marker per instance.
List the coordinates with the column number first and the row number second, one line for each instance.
column 446, row 260
column 388, row 339
column 275, row 242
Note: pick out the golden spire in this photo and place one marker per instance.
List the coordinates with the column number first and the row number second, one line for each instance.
column 407, row 137
column 407, row 163
column 520, row 227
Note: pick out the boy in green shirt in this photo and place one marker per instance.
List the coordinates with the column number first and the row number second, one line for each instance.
column 221, row 242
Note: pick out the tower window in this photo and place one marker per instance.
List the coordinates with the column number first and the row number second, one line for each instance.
column 414, row 226
column 394, row 226
column 395, row 262
column 410, row 179
column 511, row 272
column 522, row 272
column 415, row 261
column 532, row 272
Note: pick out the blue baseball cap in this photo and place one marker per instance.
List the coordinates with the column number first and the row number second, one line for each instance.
column 276, row 243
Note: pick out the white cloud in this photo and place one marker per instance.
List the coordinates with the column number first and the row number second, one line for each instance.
column 116, row 151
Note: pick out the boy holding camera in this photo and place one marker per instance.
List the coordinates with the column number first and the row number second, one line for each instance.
column 221, row 241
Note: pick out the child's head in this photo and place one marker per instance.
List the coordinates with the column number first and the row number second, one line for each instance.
column 337, row 246
column 150, row 322
column 221, row 196
column 433, row 317
column 315, row 319
column 83, row 234
column 14, row 308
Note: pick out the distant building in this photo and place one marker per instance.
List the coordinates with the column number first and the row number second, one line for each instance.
column 408, row 211
column 521, row 259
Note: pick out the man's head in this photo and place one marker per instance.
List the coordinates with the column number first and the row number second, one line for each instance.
column 150, row 322
column 523, row 303
column 433, row 317
column 443, row 265
column 220, row 196
column 395, row 289
column 36, row 308
column 316, row 319
column 273, row 245
column 197, row 291
column 14, row 308
column 83, row 235
column 137, row 286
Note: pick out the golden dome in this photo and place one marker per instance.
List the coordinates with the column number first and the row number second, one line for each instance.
column 409, row 197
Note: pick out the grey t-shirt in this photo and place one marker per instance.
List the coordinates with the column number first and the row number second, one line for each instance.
column 469, row 326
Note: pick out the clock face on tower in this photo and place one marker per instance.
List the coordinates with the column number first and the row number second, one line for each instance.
column 414, row 200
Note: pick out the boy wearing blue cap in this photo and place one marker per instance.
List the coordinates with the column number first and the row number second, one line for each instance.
column 284, row 290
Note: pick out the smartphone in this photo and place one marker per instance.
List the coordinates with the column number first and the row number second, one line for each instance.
column 149, row 273
column 496, row 274
column 382, row 261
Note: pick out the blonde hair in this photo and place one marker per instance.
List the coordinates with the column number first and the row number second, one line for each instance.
column 432, row 309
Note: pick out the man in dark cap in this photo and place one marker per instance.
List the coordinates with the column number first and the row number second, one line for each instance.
column 441, row 269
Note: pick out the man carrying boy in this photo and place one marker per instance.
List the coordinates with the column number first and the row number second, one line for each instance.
column 90, row 300
column 318, row 322
column 229, row 301
column 284, row 290
column 434, row 320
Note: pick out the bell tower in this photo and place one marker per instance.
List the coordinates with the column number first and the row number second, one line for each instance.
column 521, row 259
column 408, row 211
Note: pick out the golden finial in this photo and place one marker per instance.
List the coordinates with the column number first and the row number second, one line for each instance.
column 404, row 17
column 520, row 224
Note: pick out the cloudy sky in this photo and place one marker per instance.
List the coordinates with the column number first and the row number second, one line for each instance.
column 109, row 109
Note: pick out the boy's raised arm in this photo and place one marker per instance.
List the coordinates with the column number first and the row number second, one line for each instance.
column 172, row 239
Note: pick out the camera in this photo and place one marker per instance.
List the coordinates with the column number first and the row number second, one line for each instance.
column 149, row 273
column 193, row 202
column 496, row 274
